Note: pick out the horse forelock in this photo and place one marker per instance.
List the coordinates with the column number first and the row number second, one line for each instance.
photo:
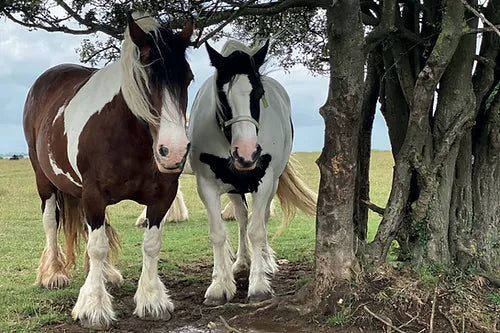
column 165, row 71
column 231, row 46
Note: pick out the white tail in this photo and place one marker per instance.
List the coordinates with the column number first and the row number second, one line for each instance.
column 228, row 214
column 293, row 193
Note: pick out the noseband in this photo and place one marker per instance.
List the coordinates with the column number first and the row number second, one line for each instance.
column 241, row 118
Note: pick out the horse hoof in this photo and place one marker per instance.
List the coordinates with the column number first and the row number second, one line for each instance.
column 165, row 316
column 56, row 281
column 211, row 301
column 99, row 326
column 259, row 297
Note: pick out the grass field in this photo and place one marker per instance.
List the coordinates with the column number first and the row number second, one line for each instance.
column 26, row 307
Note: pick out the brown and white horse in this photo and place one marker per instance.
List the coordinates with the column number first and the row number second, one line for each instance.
column 97, row 137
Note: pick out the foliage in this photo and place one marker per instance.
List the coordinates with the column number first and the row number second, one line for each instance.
column 298, row 36
column 296, row 27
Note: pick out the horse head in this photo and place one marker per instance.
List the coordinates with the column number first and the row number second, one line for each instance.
column 239, row 91
column 157, row 76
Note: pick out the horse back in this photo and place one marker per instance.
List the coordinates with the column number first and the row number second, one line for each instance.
column 54, row 88
column 51, row 91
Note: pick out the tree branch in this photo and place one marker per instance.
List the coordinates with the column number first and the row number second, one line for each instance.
column 385, row 28
column 93, row 25
column 49, row 28
column 221, row 26
column 481, row 30
column 96, row 53
column 377, row 209
column 267, row 9
column 481, row 16
column 485, row 61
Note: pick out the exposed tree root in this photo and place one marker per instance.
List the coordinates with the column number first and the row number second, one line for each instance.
column 453, row 328
column 227, row 326
column 384, row 321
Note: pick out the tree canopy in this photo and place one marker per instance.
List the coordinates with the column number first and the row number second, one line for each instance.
column 296, row 25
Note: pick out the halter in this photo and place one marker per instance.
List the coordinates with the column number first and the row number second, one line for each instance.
column 224, row 123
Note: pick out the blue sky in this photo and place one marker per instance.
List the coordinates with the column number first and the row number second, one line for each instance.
column 25, row 54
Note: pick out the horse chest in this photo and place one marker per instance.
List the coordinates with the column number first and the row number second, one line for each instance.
column 241, row 181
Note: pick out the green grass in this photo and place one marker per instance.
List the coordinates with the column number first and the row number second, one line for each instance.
column 494, row 298
column 341, row 317
column 27, row 308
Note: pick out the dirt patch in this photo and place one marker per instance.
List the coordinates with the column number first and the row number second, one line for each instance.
column 379, row 300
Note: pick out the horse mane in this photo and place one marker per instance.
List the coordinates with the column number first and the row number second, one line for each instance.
column 135, row 80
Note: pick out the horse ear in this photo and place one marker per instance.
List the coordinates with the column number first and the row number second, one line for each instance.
column 260, row 56
column 215, row 57
column 187, row 31
column 138, row 36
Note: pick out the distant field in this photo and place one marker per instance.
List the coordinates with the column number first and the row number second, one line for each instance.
column 25, row 307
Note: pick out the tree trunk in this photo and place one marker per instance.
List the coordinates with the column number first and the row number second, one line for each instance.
column 461, row 205
column 456, row 100
column 414, row 149
column 394, row 106
column 486, row 187
column 335, row 258
column 486, row 152
column 362, row 190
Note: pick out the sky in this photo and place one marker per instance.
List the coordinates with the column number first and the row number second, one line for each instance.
column 24, row 55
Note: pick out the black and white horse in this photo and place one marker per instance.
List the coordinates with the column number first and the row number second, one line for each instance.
column 241, row 139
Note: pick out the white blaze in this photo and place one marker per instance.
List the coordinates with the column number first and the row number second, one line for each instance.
column 238, row 97
column 172, row 132
column 244, row 133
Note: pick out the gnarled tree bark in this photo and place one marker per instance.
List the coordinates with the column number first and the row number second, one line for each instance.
column 413, row 150
column 335, row 258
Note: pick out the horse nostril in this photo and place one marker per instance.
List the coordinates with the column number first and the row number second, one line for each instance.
column 163, row 151
column 257, row 152
column 235, row 153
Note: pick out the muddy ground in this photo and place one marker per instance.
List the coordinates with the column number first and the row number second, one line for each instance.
column 385, row 301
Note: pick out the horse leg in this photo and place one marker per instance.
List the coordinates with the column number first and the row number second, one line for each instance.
column 223, row 286
column 51, row 272
column 111, row 273
column 152, row 299
column 241, row 267
column 93, row 306
column 263, row 265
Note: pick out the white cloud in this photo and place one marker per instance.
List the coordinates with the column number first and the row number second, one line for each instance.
column 26, row 54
